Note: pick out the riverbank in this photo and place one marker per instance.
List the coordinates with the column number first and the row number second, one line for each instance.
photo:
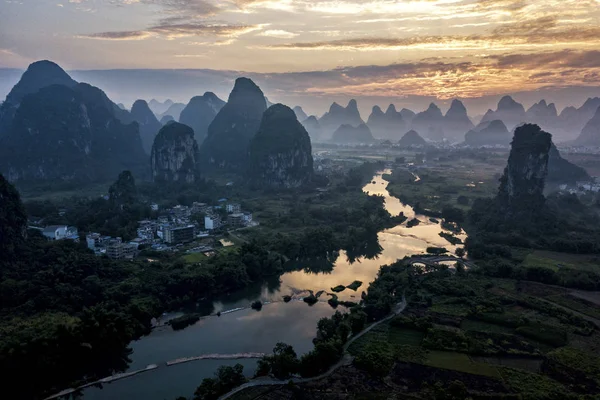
column 247, row 330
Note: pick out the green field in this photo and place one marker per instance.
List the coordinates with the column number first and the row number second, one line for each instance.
column 576, row 304
column 459, row 310
column 194, row 258
column 385, row 334
column 481, row 326
column 460, row 362
column 555, row 261
column 524, row 363
column 402, row 336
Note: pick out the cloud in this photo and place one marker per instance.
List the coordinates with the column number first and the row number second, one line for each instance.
column 120, row 35
column 532, row 33
column 550, row 60
column 487, row 75
column 278, row 34
column 190, row 8
column 180, row 18
column 172, row 31
column 505, row 5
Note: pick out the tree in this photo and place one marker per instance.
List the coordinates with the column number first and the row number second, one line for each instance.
column 208, row 390
column 284, row 361
column 460, row 252
column 263, row 367
column 357, row 319
column 123, row 193
column 453, row 214
column 226, row 378
column 326, row 329
column 463, row 200
column 376, row 360
column 13, row 220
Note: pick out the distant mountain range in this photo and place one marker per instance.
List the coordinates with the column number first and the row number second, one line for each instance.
column 55, row 128
column 455, row 126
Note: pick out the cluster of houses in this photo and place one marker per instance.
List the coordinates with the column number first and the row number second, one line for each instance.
column 114, row 248
column 174, row 226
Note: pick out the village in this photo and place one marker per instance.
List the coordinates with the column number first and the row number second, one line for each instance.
column 173, row 228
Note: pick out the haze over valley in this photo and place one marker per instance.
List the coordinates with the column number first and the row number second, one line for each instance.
column 329, row 199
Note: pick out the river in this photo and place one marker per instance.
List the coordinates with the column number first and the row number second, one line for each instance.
column 248, row 330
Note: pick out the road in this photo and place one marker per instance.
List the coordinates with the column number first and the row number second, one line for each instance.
column 344, row 361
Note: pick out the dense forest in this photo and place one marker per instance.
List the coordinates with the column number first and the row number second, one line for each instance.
column 68, row 315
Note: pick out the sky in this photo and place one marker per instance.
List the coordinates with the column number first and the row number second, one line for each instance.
column 388, row 48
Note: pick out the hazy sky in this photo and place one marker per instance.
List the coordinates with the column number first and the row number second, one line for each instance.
column 442, row 48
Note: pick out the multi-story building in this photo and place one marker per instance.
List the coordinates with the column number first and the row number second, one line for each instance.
column 235, row 220
column 114, row 248
column 129, row 251
column 180, row 212
column 198, row 208
column 212, row 222
column 233, row 208
column 93, row 240
column 117, row 250
column 176, row 235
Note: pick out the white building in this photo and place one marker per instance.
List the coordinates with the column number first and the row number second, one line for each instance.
column 233, row 208
column 55, row 232
column 60, row 232
column 93, row 240
column 212, row 222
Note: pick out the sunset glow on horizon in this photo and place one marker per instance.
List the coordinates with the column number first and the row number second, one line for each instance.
column 440, row 48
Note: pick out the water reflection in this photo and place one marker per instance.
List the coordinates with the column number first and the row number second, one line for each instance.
column 293, row 323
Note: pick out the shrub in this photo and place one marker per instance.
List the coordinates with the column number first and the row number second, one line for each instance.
column 184, row 321
column 375, row 359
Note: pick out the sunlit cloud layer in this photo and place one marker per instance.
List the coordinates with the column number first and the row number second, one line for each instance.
column 368, row 47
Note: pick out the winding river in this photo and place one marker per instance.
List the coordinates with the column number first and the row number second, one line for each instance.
column 249, row 331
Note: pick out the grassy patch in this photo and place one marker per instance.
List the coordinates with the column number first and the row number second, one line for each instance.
column 228, row 250
column 194, row 258
column 442, row 186
column 403, row 336
column 556, row 261
column 460, row 362
column 525, row 363
column 577, row 304
column 386, row 334
column 459, row 310
column 482, row 326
